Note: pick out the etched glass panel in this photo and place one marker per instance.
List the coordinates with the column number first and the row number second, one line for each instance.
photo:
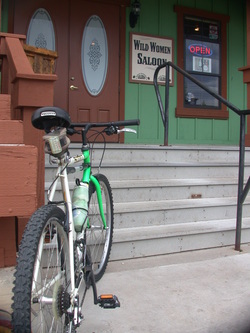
column 41, row 31
column 94, row 55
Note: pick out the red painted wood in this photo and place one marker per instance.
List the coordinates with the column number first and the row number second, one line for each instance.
column 11, row 131
column 18, row 182
column 7, row 242
column 5, row 107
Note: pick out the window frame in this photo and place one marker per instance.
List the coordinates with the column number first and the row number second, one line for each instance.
column 194, row 112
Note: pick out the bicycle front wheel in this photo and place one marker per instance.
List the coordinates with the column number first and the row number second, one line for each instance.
column 42, row 278
column 99, row 238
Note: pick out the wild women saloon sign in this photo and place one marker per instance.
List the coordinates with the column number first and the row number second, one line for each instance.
column 146, row 54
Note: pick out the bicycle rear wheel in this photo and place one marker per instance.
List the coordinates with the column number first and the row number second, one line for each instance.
column 42, row 277
column 99, row 239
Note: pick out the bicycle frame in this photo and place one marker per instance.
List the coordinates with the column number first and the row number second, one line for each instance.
column 87, row 177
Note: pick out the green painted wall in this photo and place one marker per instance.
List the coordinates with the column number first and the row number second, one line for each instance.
column 158, row 18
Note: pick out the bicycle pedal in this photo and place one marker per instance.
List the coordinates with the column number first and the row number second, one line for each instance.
column 108, row 301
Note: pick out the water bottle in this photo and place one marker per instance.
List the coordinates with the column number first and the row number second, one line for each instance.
column 80, row 200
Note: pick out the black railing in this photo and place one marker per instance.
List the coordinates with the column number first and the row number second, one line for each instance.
column 242, row 191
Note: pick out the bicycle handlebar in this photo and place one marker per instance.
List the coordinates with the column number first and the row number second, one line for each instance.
column 112, row 126
column 108, row 124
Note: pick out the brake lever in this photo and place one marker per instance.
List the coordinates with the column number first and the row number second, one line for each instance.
column 115, row 130
column 128, row 130
column 111, row 130
column 72, row 131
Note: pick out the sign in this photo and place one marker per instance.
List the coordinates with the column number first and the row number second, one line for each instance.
column 200, row 50
column 201, row 64
column 146, row 54
column 201, row 55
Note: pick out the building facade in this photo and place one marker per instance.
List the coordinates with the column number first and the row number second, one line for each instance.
column 100, row 51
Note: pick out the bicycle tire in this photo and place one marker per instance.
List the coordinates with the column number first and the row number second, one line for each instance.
column 99, row 239
column 42, row 271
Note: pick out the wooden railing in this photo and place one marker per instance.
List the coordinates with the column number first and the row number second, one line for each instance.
column 21, row 146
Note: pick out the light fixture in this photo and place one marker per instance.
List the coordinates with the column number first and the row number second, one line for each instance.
column 134, row 13
column 197, row 28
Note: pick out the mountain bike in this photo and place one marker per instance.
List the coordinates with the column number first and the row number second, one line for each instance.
column 66, row 244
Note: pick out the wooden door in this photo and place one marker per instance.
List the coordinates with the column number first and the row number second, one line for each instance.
column 94, row 62
column 70, row 19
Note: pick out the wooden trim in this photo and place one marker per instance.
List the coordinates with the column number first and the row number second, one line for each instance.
column 0, row 13
column 248, row 30
column 197, row 113
column 181, row 111
column 201, row 13
column 122, row 66
column 125, row 3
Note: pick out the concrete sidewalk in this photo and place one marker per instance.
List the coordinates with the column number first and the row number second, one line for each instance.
column 202, row 291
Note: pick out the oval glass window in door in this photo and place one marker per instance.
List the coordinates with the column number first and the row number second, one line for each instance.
column 41, row 30
column 94, row 55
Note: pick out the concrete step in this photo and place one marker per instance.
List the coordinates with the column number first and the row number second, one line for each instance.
column 186, row 197
column 156, row 240
column 163, row 171
column 159, row 154
column 172, row 189
column 166, row 189
column 167, row 212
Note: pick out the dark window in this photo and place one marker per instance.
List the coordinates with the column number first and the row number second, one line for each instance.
column 202, row 60
column 202, row 52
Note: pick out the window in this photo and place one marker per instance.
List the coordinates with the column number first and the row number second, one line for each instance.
column 202, row 60
column 202, row 52
column 94, row 55
column 41, row 31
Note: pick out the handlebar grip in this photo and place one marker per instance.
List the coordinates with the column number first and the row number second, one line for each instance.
column 127, row 122
column 87, row 126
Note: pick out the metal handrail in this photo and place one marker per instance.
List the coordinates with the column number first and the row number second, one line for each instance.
column 242, row 191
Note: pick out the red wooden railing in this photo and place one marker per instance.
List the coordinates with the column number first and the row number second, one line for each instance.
column 21, row 146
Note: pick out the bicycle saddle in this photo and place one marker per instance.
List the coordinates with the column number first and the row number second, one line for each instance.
column 50, row 116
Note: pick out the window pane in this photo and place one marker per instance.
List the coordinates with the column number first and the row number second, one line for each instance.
column 202, row 56
column 202, row 29
column 94, row 55
column 41, row 31
column 194, row 95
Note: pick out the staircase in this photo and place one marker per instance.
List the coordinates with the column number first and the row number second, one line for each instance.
column 170, row 199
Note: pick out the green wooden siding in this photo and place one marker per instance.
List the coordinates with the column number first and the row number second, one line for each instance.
column 158, row 18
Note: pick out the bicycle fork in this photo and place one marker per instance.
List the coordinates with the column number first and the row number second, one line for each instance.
column 99, row 198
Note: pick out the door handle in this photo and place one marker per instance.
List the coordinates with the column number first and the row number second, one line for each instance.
column 72, row 87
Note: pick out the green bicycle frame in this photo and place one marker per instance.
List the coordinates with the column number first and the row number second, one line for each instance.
column 87, row 178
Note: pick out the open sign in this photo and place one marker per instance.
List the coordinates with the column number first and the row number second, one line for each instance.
column 200, row 50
